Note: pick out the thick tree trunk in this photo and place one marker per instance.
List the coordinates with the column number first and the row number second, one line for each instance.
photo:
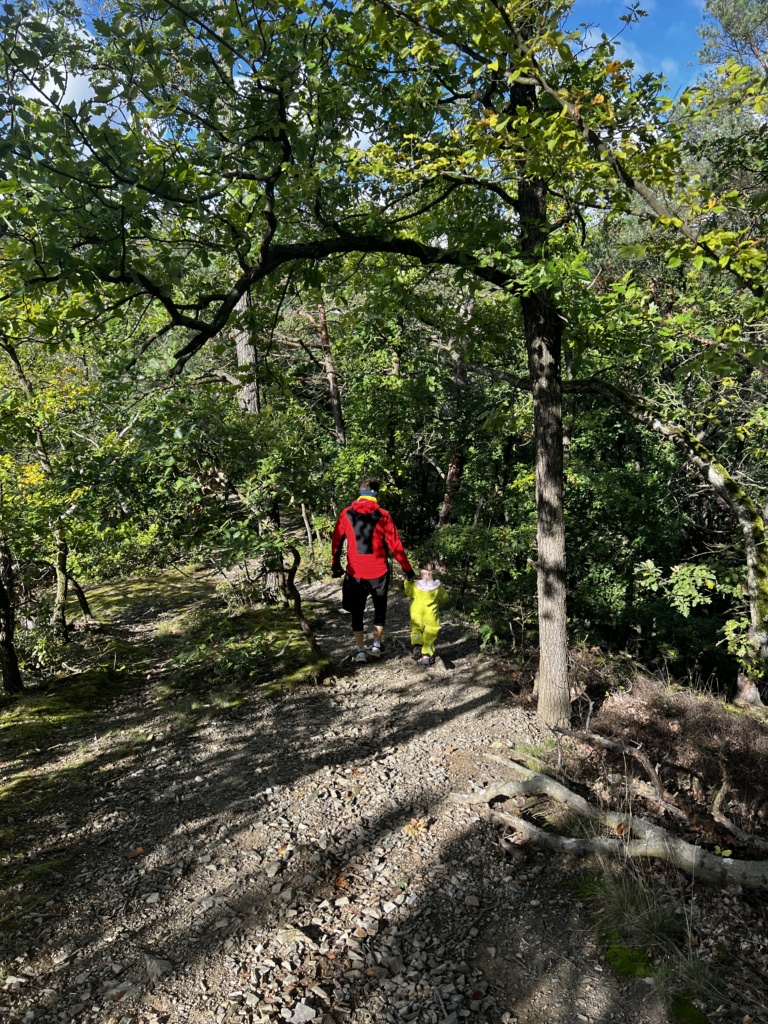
column 330, row 373
column 9, row 662
column 59, row 614
column 272, row 570
column 543, row 336
column 248, row 397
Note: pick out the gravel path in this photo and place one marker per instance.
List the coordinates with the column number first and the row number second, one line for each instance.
column 298, row 859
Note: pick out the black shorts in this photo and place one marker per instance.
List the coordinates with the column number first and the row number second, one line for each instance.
column 354, row 596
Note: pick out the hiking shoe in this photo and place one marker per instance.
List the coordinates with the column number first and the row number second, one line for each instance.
column 360, row 656
column 426, row 659
column 377, row 649
column 416, row 652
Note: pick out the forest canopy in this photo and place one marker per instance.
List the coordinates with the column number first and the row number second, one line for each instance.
column 250, row 253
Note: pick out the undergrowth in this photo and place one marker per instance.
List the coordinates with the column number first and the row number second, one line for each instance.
column 644, row 926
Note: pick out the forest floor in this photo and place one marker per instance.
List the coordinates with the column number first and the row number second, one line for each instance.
column 190, row 833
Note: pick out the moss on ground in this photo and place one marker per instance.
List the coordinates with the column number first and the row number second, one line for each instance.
column 134, row 598
column 60, row 709
column 682, row 1011
column 628, row 961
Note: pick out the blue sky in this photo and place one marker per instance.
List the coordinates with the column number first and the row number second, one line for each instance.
column 665, row 41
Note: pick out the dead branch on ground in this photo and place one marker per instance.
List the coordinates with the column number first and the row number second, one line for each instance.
column 632, row 835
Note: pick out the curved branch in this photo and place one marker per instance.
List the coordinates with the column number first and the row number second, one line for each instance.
column 634, row 836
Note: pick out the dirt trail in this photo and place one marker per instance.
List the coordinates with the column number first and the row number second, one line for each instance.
column 299, row 858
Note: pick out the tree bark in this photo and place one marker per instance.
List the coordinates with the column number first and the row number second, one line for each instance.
column 457, row 460
column 542, row 327
column 59, row 614
column 452, row 480
column 9, row 662
column 308, row 528
column 292, row 594
column 330, row 373
column 248, row 397
column 82, row 600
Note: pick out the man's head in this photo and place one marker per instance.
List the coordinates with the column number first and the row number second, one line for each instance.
column 370, row 487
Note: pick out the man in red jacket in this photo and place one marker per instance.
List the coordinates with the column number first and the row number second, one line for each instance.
column 371, row 535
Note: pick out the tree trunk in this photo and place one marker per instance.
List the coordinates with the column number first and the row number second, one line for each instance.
column 82, row 600
column 308, row 528
column 330, row 373
column 59, row 614
column 9, row 662
column 248, row 397
column 452, row 479
column 323, row 665
column 271, row 572
column 543, row 337
column 457, row 460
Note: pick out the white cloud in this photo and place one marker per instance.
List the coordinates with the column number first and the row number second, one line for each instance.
column 627, row 50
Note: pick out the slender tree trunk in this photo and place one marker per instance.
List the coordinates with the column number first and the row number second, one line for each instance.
column 271, row 572
column 59, row 614
column 452, row 480
column 9, row 662
column 330, row 373
column 323, row 665
column 82, row 600
column 543, row 336
column 457, row 460
column 308, row 528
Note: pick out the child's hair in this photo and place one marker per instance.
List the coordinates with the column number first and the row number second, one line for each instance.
column 370, row 483
column 427, row 565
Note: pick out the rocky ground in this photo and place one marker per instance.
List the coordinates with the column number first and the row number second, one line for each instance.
column 299, row 858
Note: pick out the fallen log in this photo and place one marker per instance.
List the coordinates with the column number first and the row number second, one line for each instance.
column 633, row 836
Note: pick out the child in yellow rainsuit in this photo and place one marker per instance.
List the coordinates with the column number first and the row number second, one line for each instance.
column 426, row 595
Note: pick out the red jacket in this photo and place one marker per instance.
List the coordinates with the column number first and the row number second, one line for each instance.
column 370, row 534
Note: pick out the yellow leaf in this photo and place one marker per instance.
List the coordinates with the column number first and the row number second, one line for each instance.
column 415, row 827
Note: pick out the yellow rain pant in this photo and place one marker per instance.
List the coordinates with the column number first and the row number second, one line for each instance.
column 425, row 615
